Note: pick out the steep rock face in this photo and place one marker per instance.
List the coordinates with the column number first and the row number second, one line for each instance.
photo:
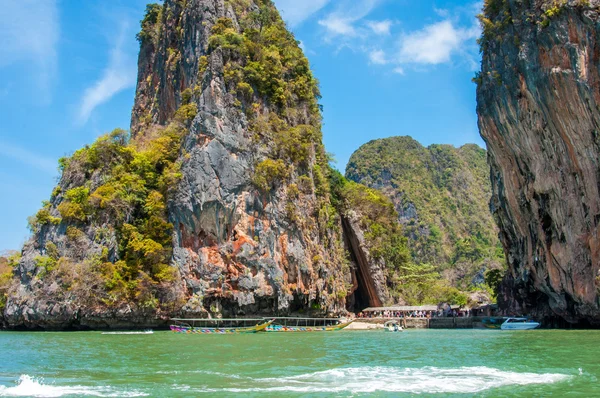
column 172, row 42
column 441, row 194
column 538, row 104
column 239, row 247
column 219, row 203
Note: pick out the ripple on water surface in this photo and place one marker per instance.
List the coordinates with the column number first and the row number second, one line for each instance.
column 28, row 386
column 388, row 379
column 341, row 380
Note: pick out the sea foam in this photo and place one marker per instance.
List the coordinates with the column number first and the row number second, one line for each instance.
column 389, row 379
column 28, row 386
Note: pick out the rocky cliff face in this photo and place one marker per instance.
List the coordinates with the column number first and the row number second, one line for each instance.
column 251, row 229
column 538, row 104
column 218, row 203
column 441, row 194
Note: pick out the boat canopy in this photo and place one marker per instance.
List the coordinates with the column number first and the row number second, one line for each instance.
column 307, row 319
column 298, row 321
column 404, row 308
column 217, row 319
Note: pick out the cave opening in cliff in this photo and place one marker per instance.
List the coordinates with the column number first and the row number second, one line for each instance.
column 364, row 294
column 359, row 300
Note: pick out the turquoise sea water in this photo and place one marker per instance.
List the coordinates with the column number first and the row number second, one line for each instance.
column 485, row 363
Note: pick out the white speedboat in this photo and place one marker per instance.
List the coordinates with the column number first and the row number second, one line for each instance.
column 519, row 324
column 392, row 326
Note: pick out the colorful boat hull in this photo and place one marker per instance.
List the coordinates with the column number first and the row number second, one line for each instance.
column 493, row 322
column 217, row 330
column 300, row 329
column 491, row 326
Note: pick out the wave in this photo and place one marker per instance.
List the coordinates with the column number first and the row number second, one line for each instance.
column 28, row 386
column 204, row 372
column 388, row 379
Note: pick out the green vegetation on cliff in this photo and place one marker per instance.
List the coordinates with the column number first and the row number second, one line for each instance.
column 408, row 282
column 119, row 186
column 266, row 70
column 441, row 194
column 151, row 23
column 497, row 17
column 7, row 265
column 377, row 218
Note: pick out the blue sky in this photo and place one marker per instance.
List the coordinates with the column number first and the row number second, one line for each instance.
column 68, row 71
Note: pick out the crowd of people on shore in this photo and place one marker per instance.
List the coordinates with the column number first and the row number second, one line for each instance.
column 414, row 314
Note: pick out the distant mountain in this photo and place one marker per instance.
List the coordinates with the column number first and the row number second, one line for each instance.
column 441, row 194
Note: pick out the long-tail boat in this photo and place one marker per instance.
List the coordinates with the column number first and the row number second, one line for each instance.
column 294, row 325
column 493, row 322
column 219, row 326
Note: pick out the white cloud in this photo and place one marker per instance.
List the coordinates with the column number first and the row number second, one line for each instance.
column 434, row 44
column 381, row 28
column 341, row 21
column 295, row 12
column 347, row 25
column 119, row 75
column 29, row 32
column 377, row 57
column 29, row 158
column 338, row 26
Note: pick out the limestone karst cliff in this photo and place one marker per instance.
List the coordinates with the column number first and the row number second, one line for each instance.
column 539, row 112
column 219, row 201
column 441, row 194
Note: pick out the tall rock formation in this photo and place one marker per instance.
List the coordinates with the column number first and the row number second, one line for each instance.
column 219, row 202
column 539, row 112
column 441, row 194
column 250, row 211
